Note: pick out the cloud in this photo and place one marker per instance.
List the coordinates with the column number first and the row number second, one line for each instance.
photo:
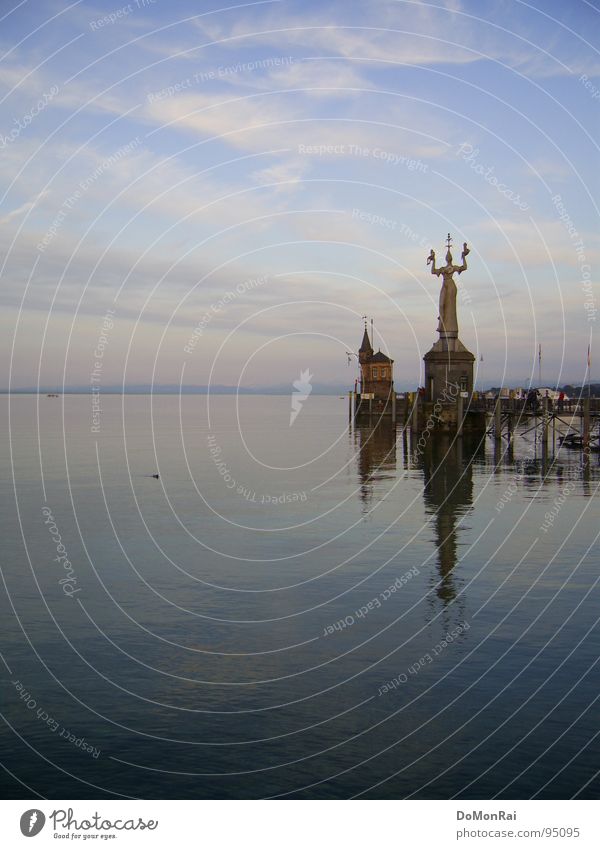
column 273, row 121
column 382, row 32
column 413, row 34
column 234, row 119
column 318, row 77
column 25, row 207
column 287, row 175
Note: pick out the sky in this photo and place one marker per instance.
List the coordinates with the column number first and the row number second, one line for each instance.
column 199, row 193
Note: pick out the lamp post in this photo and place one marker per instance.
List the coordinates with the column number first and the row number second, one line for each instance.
column 351, row 354
column 352, row 394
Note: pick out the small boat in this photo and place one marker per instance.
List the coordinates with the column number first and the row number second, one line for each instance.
column 575, row 440
column 571, row 440
column 52, row 395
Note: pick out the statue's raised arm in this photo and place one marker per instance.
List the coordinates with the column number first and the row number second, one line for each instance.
column 431, row 259
column 465, row 253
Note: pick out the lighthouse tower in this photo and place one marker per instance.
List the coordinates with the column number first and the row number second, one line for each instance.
column 376, row 375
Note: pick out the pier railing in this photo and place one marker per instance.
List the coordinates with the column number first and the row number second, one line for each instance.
column 522, row 405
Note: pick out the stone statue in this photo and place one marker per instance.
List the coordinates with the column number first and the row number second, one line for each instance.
column 447, row 319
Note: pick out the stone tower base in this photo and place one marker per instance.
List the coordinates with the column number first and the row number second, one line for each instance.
column 448, row 363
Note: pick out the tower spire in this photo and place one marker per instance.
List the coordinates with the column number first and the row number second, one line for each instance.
column 366, row 349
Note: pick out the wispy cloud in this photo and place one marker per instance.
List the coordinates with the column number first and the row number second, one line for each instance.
column 23, row 208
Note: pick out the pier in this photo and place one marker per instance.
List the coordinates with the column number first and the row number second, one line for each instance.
column 577, row 424
column 448, row 402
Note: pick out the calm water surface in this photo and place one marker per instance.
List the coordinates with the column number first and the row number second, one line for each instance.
column 301, row 611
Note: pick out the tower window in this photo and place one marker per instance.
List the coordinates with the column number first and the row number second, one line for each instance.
column 374, row 374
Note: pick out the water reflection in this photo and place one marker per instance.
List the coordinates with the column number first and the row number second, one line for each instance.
column 536, row 466
column 375, row 450
column 446, row 467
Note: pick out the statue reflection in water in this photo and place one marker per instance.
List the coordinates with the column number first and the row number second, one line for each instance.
column 447, row 467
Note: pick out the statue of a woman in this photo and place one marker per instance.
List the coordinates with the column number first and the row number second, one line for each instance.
column 448, row 321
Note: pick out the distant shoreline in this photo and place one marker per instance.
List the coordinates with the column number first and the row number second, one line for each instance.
column 112, row 391
column 323, row 390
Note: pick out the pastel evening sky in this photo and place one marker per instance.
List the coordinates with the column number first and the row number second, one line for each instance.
column 303, row 157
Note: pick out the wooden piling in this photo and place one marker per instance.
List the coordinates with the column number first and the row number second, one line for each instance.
column 459, row 414
column 586, row 423
column 545, row 422
column 498, row 420
column 414, row 421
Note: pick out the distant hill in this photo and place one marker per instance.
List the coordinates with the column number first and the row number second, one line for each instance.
column 220, row 389
column 171, row 389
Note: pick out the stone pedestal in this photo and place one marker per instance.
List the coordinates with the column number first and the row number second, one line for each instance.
column 448, row 363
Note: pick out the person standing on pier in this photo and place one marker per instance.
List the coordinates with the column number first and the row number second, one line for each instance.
column 532, row 399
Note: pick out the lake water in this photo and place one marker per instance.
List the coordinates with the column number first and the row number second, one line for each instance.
column 291, row 611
